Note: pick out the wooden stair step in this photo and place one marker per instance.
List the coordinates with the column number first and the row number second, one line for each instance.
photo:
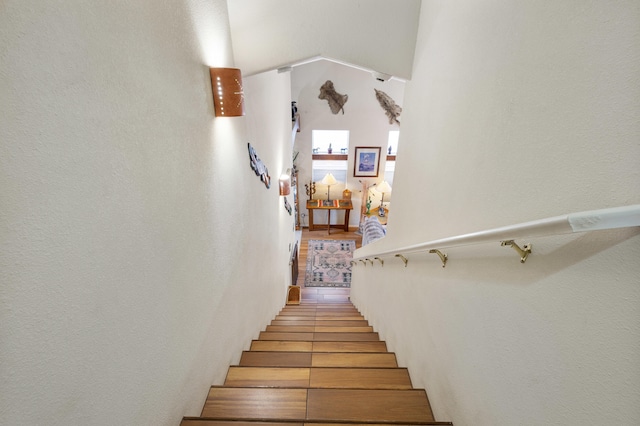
column 317, row 359
column 276, row 359
column 342, row 329
column 298, row 317
column 293, row 336
column 291, row 328
column 205, row 421
column 318, row 315
column 320, row 336
column 293, row 322
column 360, row 378
column 332, row 405
column 301, row 346
column 256, row 403
column 321, row 306
column 371, row 346
column 383, row 360
column 369, row 405
column 346, row 378
column 340, row 323
column 289, row 310
column 319, row 329
column 281, row 346
column 346, row 337
column 199, row 421
column 285, row 377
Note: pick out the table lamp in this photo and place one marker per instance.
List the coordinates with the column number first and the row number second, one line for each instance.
column 328, row 180
column 383, row 187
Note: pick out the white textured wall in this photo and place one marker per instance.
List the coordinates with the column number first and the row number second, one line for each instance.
column 375, row 34
column 517, row 111
column 132, row 253
column 364, row 118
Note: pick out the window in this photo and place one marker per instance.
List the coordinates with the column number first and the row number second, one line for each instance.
column 389, row 171
column 392, row 146
column 392, row 149
column 338, row 140
column 324, row 141
column 336, row 167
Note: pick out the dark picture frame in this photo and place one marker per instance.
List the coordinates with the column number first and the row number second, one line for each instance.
column 367, row 161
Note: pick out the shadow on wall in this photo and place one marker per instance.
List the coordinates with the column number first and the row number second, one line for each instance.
column 550, row 256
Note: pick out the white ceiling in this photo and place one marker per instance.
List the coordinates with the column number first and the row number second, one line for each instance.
column 376, row 35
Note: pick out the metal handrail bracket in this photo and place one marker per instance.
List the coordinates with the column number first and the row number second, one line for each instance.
column 592, row 220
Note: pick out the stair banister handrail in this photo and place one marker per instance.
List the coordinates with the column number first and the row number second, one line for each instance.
column 592, row 220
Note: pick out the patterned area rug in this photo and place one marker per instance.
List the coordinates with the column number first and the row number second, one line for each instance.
column 329, row 263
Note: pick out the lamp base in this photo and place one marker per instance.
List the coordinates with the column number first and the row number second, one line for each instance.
column 381, row 211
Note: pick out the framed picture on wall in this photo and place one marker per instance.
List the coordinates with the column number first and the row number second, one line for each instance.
column 367, row 161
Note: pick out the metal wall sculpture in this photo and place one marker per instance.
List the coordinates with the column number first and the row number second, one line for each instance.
column 389, row 106
column 258, row 166
column 336, row 100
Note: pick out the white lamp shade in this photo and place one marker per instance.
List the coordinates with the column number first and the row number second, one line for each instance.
column 328, row 180
column 384, row 187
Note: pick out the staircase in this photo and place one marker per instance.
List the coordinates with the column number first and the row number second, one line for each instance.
column 317, row 362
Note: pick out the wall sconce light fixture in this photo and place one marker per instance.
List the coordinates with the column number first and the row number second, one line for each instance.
column 284, row 183
column 228, row 97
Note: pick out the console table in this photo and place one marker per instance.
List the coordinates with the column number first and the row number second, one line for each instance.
column 329, row 205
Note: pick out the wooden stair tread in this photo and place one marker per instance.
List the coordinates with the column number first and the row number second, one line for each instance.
column 325, row 318
column 323, row 323
column 281, row 346
column 349, row 405
column 386, row 359
column 318, row 359
column 320, row 336
column 346, row 337
column 318, row 377
column 272, row 335
column 291, row 328
column 256, row 403
column 369, row 405
column 276, row 359
column 360, row 378
column 286, row 377
column 319, row 309
column 302, row 346
column 318, row 329
column 207, row 421
column 199, row 421
column 348, row 346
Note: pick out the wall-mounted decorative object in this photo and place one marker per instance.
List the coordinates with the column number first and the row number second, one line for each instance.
column 389, row 106
column 367, row 161
column 284, row 183
column 287, row 206
column 336, row 100
column 258, row 166
column 228, row 97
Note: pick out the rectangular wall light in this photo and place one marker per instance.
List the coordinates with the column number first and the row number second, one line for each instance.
column 228, row 97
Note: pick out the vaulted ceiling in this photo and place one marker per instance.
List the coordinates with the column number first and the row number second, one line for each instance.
column 375, row 35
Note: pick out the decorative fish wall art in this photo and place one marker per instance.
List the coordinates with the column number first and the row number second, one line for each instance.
column 258, row 166
column 287, row 206
column 389, row 106
column 336, row 100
